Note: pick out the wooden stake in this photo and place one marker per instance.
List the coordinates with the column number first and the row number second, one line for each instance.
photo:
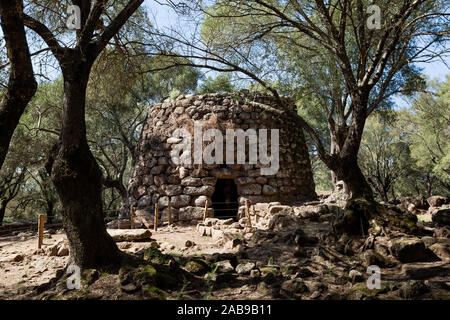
column 132, row 216
column 247, row 212
column 155, row 227
column 40, row 230
column 205, row 214
column 170, row 212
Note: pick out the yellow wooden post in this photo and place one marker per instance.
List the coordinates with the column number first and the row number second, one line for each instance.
column 247, row 211
column 40, row 230
column 132, row 216
column 205, row 214
column 155, row 227
column 170, row 212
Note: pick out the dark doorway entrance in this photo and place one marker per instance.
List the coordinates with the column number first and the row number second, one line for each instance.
column 225, row 199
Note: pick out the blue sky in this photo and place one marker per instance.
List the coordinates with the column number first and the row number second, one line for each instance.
column 165, row 17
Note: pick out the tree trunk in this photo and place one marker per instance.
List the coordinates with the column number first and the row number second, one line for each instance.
column 3, row 204
column 77, row 177
column 21, row 84
column 345, row 162
column 50, row 206
column 347, row 169
column 429, row 185
column 334, row 150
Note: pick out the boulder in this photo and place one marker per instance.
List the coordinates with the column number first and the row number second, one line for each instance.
column 441, row 250
column 63, row 251
column 197, row 267
column 216, row 234
column 437, row 201
column 409, row 250
column 355, row 276
column 441, row 216
column 129, row 235
column 412, row 289
column 282, row 222
column 189, row 244
column 417, row 202
column 293, row 287
column 280, row 209
column 233, row 243
column 211, row 222
column 13, row 258
column 424, row 270
column 311, row 211
column 371, row 257
column 245, row 268
column 224, row 266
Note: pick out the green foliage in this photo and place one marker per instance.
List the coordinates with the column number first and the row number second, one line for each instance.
column 431, row 131
column 406, row 152
column 222, row 83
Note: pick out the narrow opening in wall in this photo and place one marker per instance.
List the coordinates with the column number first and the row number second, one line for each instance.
column 225, row 199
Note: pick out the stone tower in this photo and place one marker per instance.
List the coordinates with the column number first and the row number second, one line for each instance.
column 242, row 169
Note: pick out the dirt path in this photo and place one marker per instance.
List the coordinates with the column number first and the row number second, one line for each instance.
column 22, row 265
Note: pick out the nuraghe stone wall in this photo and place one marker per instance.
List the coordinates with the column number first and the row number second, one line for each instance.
column 156, row 178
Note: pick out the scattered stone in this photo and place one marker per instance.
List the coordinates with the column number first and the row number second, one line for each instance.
column 233, row 243
column 293, row 287
column 13, row 258
column 282, row 222
column 189, row 244
column 287, row 210
column 197, row 267
column 409, row 250
column 412, row 289
column 255, row 273
column 245, row 268
column 129, row 288
column 63, row 251
column 371, row 257
column 441, row 250
column 124, row 245
column 437, row 201
column 129, row 235
column 224, row 266
column 304, row 273
column 356, row 276
column 441, row 216
column 423, row 270
column 91, row 275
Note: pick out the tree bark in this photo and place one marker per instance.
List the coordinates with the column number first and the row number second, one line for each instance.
column 335, row 146
column 21, row 84
column 50, row 206
column 348, row 170
column 71, row 165
column 77, row 177
column 3, row 204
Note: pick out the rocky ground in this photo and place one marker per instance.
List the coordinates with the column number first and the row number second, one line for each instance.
column 316, row 250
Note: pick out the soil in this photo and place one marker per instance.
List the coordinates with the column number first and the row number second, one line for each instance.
column 323, row 267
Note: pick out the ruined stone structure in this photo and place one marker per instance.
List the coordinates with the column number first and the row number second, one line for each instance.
column 158, row 177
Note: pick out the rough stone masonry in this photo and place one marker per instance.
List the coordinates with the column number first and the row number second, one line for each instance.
column 156, row 178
